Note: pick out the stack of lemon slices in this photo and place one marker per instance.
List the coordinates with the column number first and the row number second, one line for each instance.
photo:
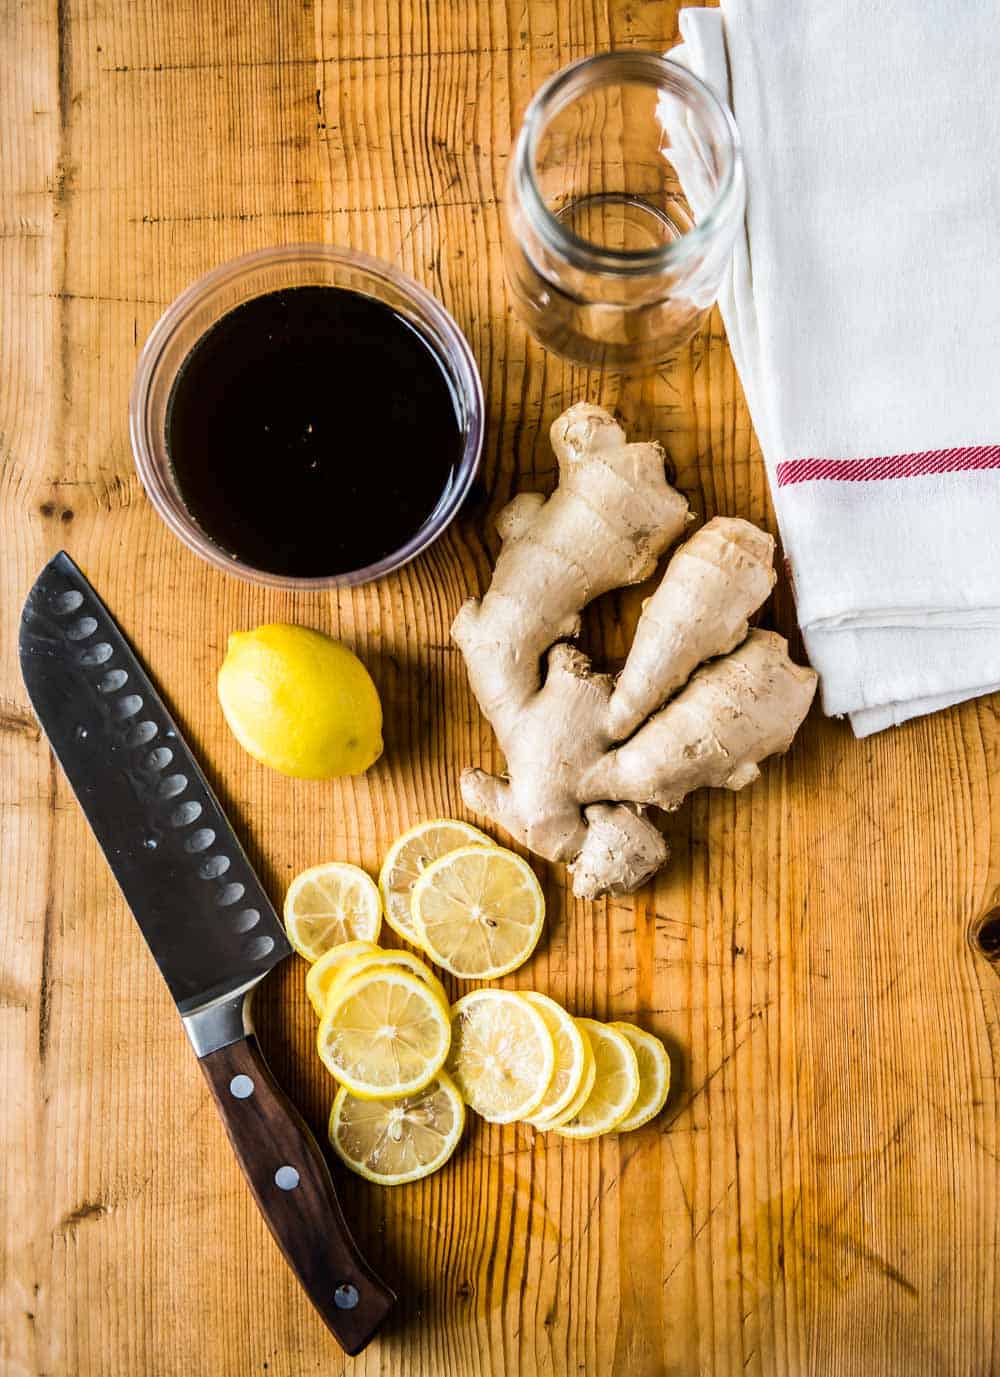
column 407, row 1064
column 522, row 1057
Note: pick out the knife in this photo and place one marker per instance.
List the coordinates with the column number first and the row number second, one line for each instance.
column 208, row 922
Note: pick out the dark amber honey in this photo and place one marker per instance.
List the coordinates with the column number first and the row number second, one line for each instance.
column 312, row 432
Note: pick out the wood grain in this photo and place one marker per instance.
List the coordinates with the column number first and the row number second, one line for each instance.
column 822, row 1195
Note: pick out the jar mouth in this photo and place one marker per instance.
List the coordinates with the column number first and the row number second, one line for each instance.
column 613, row 68
column 253, row 274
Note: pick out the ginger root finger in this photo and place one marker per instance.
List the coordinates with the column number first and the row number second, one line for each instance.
column 605, row 526
column 621, row 851
column 558, row 833
column 713, row 584
column 733, row 713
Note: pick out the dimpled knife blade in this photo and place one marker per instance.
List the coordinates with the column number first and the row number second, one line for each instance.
column 201, row 908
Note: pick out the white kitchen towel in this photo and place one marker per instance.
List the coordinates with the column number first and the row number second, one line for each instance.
column 863, row 311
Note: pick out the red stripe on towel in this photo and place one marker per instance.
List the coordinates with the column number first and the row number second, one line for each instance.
column 889, row 465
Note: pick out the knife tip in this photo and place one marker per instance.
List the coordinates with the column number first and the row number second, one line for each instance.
column 63, row 562
column 59, row 565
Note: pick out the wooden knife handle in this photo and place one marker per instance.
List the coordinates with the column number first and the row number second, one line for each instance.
column 292, row 1185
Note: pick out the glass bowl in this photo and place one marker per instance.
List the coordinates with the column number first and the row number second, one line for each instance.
column 206, row 301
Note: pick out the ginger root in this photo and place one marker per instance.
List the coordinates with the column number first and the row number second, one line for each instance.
column 586, row 756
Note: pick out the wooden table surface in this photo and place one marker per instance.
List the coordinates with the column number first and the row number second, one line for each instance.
column 822, row 1195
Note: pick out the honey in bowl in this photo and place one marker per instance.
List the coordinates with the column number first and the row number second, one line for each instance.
column 312, row 431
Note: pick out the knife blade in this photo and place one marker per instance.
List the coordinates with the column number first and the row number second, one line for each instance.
column 206, row 918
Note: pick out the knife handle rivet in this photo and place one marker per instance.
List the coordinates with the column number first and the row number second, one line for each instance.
column 286, row 1178
column 241, row 1087
column 346, row 1296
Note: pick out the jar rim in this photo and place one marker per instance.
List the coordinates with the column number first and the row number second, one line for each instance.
column 604, row 69
column 152, row 464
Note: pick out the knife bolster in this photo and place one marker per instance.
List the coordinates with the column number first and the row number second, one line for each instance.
column 220, row 1023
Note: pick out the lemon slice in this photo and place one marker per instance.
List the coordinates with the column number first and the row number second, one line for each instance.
column 616, row 1084
column 654, row 1076
column 384, row 1033
column 394, row 1141
column 387, row 956
column 573, row 1056
column 502, row 1057
column 409, row 856
column 322, row 973
column 331, row 904
column 478, row 911
column 582, row 1095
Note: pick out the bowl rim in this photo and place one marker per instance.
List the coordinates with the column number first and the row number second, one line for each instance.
column 150, row 463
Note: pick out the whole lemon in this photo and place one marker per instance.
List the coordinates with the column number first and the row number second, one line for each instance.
column 300, row 702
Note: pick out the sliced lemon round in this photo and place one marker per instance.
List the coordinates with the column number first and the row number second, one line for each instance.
column 384, row 1033
column 409, row 856
column 573, row 1055
column 322, row 973
column 331, row 904
column 616, row 1084
column 395, row 1141
column 502, row 1056
column 478, row 911
column 390, row 956
column 654, row 1076
column 582, row 1095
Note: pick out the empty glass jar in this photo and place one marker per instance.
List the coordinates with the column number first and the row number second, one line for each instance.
column 624, row 196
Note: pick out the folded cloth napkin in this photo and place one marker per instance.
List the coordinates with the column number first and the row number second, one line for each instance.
column 863, row 310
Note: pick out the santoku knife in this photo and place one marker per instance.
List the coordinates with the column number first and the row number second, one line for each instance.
column 203, row 912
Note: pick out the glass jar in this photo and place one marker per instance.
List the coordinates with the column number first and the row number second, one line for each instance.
column 624, row 196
